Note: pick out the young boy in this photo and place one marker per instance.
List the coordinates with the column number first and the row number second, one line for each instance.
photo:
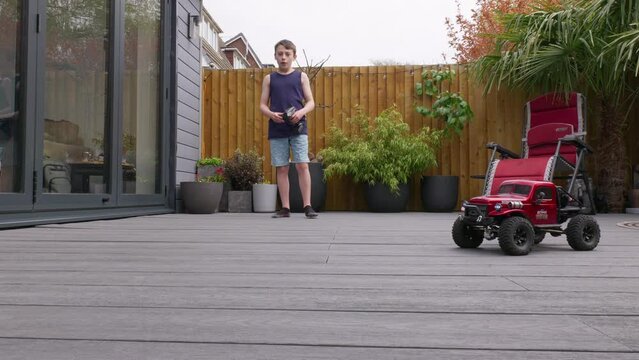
column 289, row 93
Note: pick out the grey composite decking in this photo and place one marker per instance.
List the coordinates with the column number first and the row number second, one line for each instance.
column 343, row 286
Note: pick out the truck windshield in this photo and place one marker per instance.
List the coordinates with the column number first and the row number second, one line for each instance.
column 514, row 189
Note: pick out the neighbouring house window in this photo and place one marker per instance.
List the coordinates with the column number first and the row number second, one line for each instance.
column 213, row 39
column 238, row 62
column 209, row 35
column 141, row 137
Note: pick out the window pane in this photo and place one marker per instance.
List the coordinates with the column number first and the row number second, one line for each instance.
column 76, row 73
column 141, row 136
column 11, row 141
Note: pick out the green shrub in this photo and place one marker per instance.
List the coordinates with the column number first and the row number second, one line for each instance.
column 212, row 161
column 384, row 151
column 244, row 170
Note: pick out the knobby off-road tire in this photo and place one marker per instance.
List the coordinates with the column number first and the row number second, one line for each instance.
column 465, row 237
column 516, row 236
column 583, row 233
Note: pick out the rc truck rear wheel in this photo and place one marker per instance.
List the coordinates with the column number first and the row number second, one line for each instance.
column 583, row 233
column 516, row 236
column 465, row 237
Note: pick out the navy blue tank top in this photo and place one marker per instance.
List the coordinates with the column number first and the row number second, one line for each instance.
column 286, row 91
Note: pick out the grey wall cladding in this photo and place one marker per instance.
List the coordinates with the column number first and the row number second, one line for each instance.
column 187, row 91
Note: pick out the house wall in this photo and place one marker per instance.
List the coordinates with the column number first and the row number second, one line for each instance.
column 229, row 57
column 239, row 45
column 188, row 80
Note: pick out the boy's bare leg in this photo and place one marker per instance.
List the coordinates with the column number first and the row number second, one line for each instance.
column 304, row 178
column 283, row 186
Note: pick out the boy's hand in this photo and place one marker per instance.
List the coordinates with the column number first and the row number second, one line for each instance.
column 277, row 117
column 297, row 116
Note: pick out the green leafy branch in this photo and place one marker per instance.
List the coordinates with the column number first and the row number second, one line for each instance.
column 449, row 107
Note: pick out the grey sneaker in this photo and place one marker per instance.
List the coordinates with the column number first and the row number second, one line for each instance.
column 283, row 212
column 309, row 212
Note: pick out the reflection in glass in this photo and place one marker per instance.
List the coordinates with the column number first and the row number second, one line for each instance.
column 75, row 110
column 141, row 135
column 11, row 140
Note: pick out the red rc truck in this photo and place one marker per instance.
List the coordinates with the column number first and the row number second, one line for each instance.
column 520, row 215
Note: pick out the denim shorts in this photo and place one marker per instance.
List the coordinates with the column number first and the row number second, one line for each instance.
column 282, row 148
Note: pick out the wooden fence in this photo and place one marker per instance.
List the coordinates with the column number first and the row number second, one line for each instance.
column 232, row 120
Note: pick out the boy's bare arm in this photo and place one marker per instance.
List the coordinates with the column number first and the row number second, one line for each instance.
column 309, row 103
column 277, row 117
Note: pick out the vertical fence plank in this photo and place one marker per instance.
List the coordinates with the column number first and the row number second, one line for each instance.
column 224, row 114
column 207, row 131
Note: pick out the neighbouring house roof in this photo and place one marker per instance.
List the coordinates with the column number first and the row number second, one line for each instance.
column 240, row 45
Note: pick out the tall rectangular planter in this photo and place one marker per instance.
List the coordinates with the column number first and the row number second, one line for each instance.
column 240, row 201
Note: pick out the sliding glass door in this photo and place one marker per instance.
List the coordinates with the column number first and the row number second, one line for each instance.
column 83, row 112
column 15, row 191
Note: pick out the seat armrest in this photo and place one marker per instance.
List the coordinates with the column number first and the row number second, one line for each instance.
column 505, row 153
column 578, row 142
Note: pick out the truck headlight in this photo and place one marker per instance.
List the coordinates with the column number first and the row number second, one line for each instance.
column 498, row 207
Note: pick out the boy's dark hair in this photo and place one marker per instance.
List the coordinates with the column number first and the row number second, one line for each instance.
column 288, row 44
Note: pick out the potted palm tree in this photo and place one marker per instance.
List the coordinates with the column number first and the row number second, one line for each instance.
column 440, row 192
column 587, row 46
column 382, row 155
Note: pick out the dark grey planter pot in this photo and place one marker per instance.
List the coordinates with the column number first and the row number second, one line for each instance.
column 318, row 187
column 201, row 197
column 379, row 198
column 439, row 193
column 240, row 201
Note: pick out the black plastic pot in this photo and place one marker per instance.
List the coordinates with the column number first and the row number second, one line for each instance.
column 379, row 198
column 439, row 193
column 318, row 187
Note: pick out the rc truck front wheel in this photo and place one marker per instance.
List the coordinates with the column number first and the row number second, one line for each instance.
column 465, row 237
column 516, row 236
column 583, row 233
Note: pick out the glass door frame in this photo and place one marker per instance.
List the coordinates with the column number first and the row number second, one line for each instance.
column 23, row 200
column 162, row 198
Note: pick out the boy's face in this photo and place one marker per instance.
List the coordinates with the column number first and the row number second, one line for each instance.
column 284, row 57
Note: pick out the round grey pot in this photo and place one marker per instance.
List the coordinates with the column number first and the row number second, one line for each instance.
column 379, row 198
column 201, row 197
column 440, row 193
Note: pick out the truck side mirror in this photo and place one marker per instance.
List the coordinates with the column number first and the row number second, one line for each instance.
column 540, row 197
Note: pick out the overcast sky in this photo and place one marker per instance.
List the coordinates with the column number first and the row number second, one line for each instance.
column 352, row 32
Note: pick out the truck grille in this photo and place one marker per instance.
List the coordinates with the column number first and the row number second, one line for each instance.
column 475, row 211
